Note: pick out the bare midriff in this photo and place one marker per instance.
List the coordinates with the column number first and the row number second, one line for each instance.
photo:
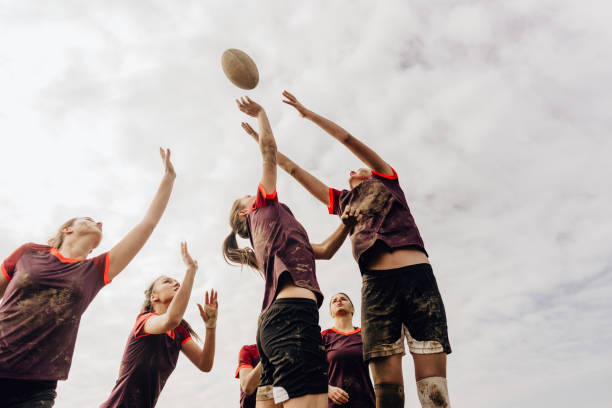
column 290, row 290
column 381, row 259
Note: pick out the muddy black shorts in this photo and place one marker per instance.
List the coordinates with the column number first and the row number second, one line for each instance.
column 398, row 303
column 27, row 393
column 293, row 360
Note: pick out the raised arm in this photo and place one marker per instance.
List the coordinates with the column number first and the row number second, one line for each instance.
column 123, row 252
column 315, row 186
column 204, row 358
column 249, row 378
column 328, row 248
column 368, row 156
column 176, row 309
column 267, row 144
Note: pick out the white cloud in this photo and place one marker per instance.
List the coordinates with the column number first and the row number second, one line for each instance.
column 495, row 115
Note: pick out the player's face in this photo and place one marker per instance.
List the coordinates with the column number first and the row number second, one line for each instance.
column 87, row 226
column 356, row 177
column 165, row 288
column 340, row 304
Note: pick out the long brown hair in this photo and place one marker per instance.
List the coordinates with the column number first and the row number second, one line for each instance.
column 231, row 252
column 58, row 239
column 147, row 306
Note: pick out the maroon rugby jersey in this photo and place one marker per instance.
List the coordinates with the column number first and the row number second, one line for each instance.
column 347, row 369
column 386, row 214
column 247, row 358
column 41, row 310
column 148, row 361
column 280, row 244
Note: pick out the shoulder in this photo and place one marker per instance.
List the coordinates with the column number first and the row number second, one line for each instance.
column 326, row 333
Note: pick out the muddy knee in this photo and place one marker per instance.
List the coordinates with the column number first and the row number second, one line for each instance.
column 433, row 392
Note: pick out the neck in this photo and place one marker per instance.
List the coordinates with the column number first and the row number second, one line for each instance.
column 344, row 323
column 160, row 308
column 76, row 248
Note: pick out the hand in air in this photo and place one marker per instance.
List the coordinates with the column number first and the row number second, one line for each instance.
column 189, row 262
column 209, row 311
column 292, row 100
column 169, row 168
column 246, row 105
column 351, row 216
column 247, row 128
column 337, row 395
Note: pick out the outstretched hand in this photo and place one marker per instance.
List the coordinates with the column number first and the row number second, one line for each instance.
column 169, row 168
column 210, row 309
column 292, row 100
column 351, row 216
column 190, row 263
column 246, row 105
column 250, row 131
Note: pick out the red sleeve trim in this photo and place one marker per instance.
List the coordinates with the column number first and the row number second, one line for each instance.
column 4, row 272
column 387, row 176
column 330, row 207
column 266, row 195
column 107, row 280
column 186, row 340
column 240, row 367
column 140, row 325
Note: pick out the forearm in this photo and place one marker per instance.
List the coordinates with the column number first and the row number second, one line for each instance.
column 314, row 186
column 160, row 201
column 251, row 381
column 368, row 156
column 179, row 303
column 208, row 350
column 330, row 127
column 329, row 247
column 267, row 144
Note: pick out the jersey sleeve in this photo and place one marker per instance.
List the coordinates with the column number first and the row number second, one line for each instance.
column 385, row 176
column 182, row 334
column 263, row 199
column 140, row 323
column 245, row 359
column 334, row 201
column 8, row 266
column 101, row 262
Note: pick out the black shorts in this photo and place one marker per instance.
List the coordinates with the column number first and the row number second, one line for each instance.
column 27, row 393
column 398, row 303
column 293, row 360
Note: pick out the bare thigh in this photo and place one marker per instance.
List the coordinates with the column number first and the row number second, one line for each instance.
column 387, row 370
column 267, row 404
column 429, row 365
column 307, row 401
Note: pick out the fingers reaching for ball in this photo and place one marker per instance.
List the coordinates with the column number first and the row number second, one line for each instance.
column 292, row 100
column 247, row 128
column 246, row 105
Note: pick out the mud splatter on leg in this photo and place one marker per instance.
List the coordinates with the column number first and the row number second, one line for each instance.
column 433, row 392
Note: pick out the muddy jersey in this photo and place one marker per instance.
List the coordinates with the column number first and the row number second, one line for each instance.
column 148, row 361
column 281, row 245
column 41, row 310
column 386, row 216
column 347, row 369
column 247, row 358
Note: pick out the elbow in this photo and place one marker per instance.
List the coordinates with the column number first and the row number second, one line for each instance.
column 206, row 369
column 248, row 390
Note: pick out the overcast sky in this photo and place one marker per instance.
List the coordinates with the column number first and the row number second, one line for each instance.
column 495, row 114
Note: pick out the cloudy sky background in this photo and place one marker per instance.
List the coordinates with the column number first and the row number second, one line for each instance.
column 494, row 113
